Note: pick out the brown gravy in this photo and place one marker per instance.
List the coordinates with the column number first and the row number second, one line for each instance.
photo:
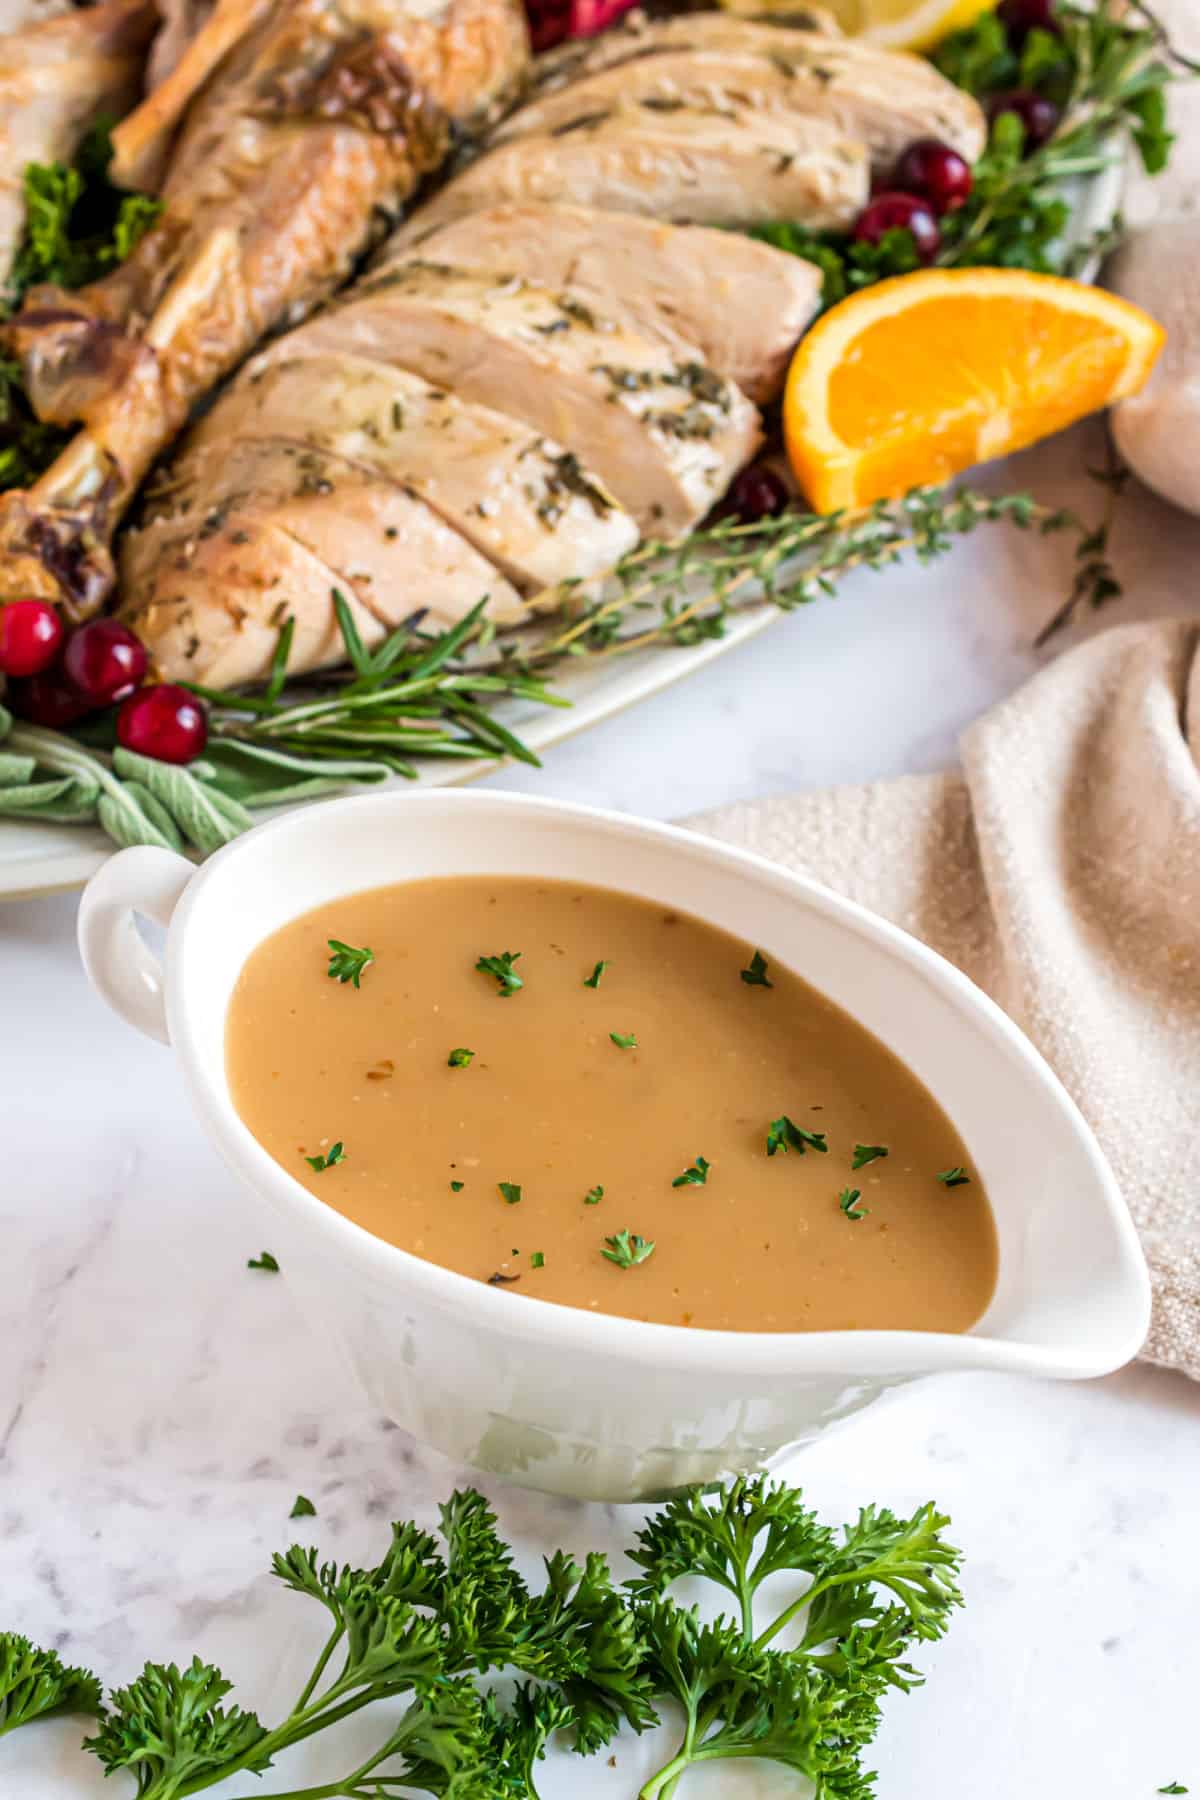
column 553, row 1108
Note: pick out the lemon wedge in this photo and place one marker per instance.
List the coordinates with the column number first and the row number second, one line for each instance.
column 892, row 24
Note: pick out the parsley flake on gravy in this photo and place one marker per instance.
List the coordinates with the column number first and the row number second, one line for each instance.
column 510, row 1192
column 848, row 1200
column 501, row 967
column 459, row 1059
column 347, row 963
column 537, row 1260
column 626, row 1250
column 330, row 1160
column 593, row 980
column 956, row 1177
column 783, row 1134
column 867, row 1153
column 593, row 1197
column 756, row 974
column 624, row 1040
column 456, row 1187
column 695, row 1176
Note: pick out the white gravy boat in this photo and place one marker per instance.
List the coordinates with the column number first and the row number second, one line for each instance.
column 574, row 1402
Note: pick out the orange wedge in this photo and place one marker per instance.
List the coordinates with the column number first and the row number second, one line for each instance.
column 922, row 376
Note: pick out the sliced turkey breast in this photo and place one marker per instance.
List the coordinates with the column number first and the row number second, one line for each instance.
column 741, row 303
column 885, row 97
column 532, row 507
column 664, row 436
column 688, row 164
column 271, row 529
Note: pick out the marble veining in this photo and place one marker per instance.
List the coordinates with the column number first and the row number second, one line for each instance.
column 161, row 1405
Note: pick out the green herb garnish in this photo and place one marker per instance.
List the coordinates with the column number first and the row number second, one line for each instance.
column 36, row 1684
column 510, row 1191
column 624, row 1040
column 330, row 1160
column 456, row 1187
column 593, row 980
column 848, row 1201
column 626, row 1250
column 460, row 1059
column 867, row 1153
column 537, row 1260
column 756, row 974
column 502, row 968
column 1173, row 1787
column 593, row 1197
column 265, row 1261
column 347, row 963
column 783, row 1134
column 695, row 1176
column 953, row 1178
column 438, row 1613
column 302, row 1508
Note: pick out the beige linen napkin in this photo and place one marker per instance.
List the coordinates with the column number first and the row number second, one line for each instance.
column 1061, row 871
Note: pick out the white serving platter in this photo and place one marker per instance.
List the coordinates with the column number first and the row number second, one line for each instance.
column 40, row 859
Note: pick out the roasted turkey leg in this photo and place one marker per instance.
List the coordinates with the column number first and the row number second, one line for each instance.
column 318, row 124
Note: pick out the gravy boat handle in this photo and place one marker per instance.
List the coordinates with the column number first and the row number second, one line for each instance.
column 120, row 964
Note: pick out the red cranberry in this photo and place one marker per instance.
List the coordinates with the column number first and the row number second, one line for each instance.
column 30, row 634
column 551, row 21
column 105, row 661
column 937, row 173
column 164, row 722
column 758, row 493
column 1020, row 17
column 1038, row 115
column 892, row 211
column 47, row 699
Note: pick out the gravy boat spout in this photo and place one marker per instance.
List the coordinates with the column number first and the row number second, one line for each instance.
column 577, row 1402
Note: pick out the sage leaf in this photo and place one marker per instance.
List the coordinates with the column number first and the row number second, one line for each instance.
column 32, row 795
column 127, row 825
column 157, row 813
column 15, row 770
column 194, row 807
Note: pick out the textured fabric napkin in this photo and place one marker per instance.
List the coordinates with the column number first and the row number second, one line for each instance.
column 1060, row 871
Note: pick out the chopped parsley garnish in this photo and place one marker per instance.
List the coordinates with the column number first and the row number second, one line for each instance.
column 756, row 974
column 783, row 1134
column 537, row 1260
column 696, row 1176
column 593, row 980
column 347, row 963
column 955, row 1177
column 302, row 1508
column 593, row 1197
column 1173, row 1787
column 624, row 1040
column 625, row 1250
column 848, row 1200
column 501, row 967
column 456, row 1187
column 510, row 1191
column 265, row 1261
column 867, row 1153
column 330, row 1160
column 459, row 1059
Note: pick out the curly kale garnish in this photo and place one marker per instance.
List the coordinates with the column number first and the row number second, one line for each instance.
column 36, row 1684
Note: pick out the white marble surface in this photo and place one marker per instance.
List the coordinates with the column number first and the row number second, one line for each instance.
column 160, row 1406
